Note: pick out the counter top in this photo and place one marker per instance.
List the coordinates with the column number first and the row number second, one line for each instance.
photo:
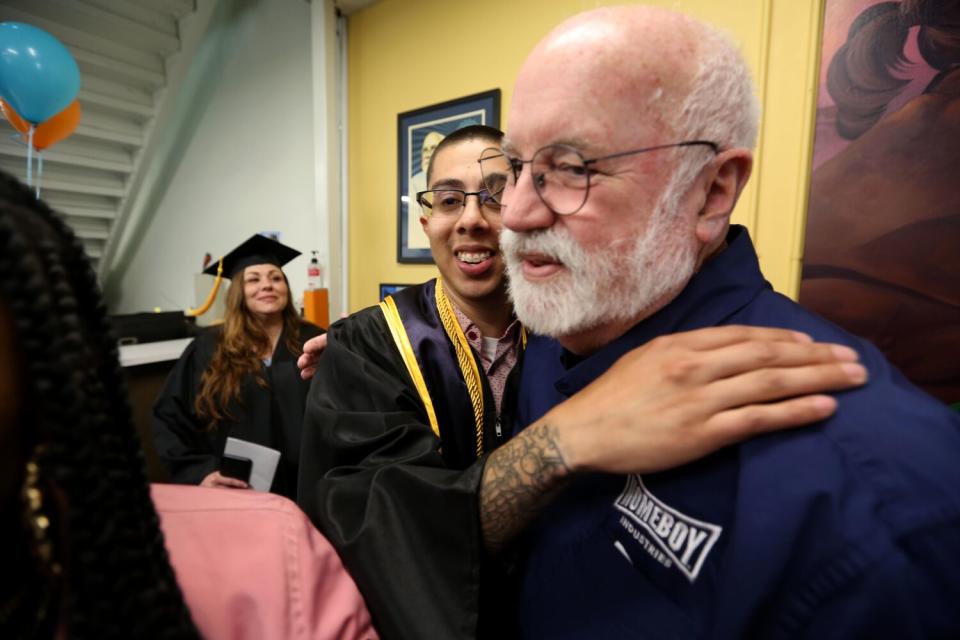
column 132, row 355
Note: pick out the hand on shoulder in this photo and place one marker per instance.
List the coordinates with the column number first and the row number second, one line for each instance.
column 683, row 396
column 312, row 350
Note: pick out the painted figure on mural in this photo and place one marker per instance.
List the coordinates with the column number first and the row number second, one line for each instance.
column 418, row 182
column 883, row 231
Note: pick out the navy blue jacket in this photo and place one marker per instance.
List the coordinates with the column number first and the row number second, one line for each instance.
column 847, row 529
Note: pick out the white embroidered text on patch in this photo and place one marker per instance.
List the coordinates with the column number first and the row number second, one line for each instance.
column 686, row 540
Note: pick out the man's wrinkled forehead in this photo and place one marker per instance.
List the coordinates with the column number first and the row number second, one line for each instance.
column 455, row 165
column 607, row 77
column 584, row 117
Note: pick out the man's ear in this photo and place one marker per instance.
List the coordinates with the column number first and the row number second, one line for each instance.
column 423, row 223
column 725, row 181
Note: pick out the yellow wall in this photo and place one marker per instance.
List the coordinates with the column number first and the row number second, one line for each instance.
column 405, row 54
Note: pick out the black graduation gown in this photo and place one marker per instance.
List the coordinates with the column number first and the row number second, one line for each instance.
column 402, row 513
column 272, row 417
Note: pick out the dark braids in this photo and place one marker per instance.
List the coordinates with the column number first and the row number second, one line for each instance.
column 118, row 582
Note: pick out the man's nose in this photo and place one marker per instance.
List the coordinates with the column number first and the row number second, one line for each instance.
column 471, row 216
column 523, row 210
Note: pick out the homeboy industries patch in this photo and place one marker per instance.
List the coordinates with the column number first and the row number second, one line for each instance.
column 670, row 534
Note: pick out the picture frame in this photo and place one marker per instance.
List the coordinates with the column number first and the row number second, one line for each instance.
column 418, row 133
column 390, row 288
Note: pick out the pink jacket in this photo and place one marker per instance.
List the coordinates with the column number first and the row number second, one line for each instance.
column 252, row 566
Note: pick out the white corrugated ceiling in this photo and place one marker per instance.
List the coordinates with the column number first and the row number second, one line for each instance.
column 122, row 48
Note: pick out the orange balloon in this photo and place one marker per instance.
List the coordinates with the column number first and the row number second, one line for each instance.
column 18, row 123
column 58, row 127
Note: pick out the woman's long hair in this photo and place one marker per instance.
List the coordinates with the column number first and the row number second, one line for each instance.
column 118, row 582
column 238, row 353
column 862, row 77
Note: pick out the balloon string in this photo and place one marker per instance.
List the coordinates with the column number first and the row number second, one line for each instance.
column 39, row 171
column 30, row 156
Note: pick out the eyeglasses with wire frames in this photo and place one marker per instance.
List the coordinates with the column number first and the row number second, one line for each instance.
column 561, row 175
column 451, row 202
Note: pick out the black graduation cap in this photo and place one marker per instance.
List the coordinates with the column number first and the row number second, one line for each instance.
column 256, row 249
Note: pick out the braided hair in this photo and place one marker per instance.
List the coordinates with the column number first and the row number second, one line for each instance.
column 117, row 578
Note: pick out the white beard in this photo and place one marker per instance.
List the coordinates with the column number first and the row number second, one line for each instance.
column 599, row 286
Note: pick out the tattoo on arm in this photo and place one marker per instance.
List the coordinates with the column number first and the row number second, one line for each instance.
column 519, row 479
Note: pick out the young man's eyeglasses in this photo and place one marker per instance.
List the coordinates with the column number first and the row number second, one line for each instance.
column 450, row 202
column 561, row 175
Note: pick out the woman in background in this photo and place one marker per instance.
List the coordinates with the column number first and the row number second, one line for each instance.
column 81, row 546
column 239, row 379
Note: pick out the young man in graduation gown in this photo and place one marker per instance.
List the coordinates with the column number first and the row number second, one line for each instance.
column 412, row 400
column 265, row 336
column 409, row 389
column 848, row 529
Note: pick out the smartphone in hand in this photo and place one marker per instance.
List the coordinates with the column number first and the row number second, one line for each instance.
column 236, row 467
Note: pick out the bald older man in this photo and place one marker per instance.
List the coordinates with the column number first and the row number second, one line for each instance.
column 625, row 170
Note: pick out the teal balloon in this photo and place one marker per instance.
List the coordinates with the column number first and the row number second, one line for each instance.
column 38, row 76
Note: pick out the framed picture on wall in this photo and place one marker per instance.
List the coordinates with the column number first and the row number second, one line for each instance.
column 388, row 289
column 418, row 134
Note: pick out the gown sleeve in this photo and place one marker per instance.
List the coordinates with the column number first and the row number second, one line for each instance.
column 374, row 482
column 277, row 417
column 185, row 448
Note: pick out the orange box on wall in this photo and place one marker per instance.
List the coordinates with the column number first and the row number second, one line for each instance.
column 316, row 307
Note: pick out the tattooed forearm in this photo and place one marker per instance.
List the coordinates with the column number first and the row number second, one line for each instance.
column 518, row 480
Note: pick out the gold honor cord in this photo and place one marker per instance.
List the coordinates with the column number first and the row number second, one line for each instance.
column 399, row 333
column 202, row 309
column 468, row 366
